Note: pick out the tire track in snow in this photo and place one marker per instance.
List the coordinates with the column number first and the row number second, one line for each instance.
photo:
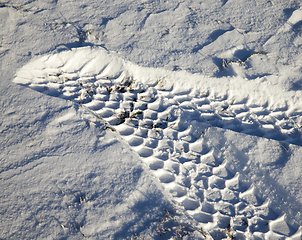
column 166, row 128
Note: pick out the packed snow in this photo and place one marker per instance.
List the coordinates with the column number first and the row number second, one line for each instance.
column 151, row 119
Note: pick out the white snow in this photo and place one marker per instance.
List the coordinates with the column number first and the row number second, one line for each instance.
column 151, row 119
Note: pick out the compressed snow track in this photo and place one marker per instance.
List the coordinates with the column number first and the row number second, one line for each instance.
column 166, row 128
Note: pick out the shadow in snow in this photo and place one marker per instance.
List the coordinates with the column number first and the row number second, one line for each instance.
column 297, row 27
column 146, row 214
column 212, row 37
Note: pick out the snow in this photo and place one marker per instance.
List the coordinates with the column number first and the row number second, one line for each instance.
column 151, row 119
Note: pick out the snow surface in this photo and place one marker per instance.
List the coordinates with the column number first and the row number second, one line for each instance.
column 151, row 119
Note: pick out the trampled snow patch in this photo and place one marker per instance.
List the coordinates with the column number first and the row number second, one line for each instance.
column 179, row 124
